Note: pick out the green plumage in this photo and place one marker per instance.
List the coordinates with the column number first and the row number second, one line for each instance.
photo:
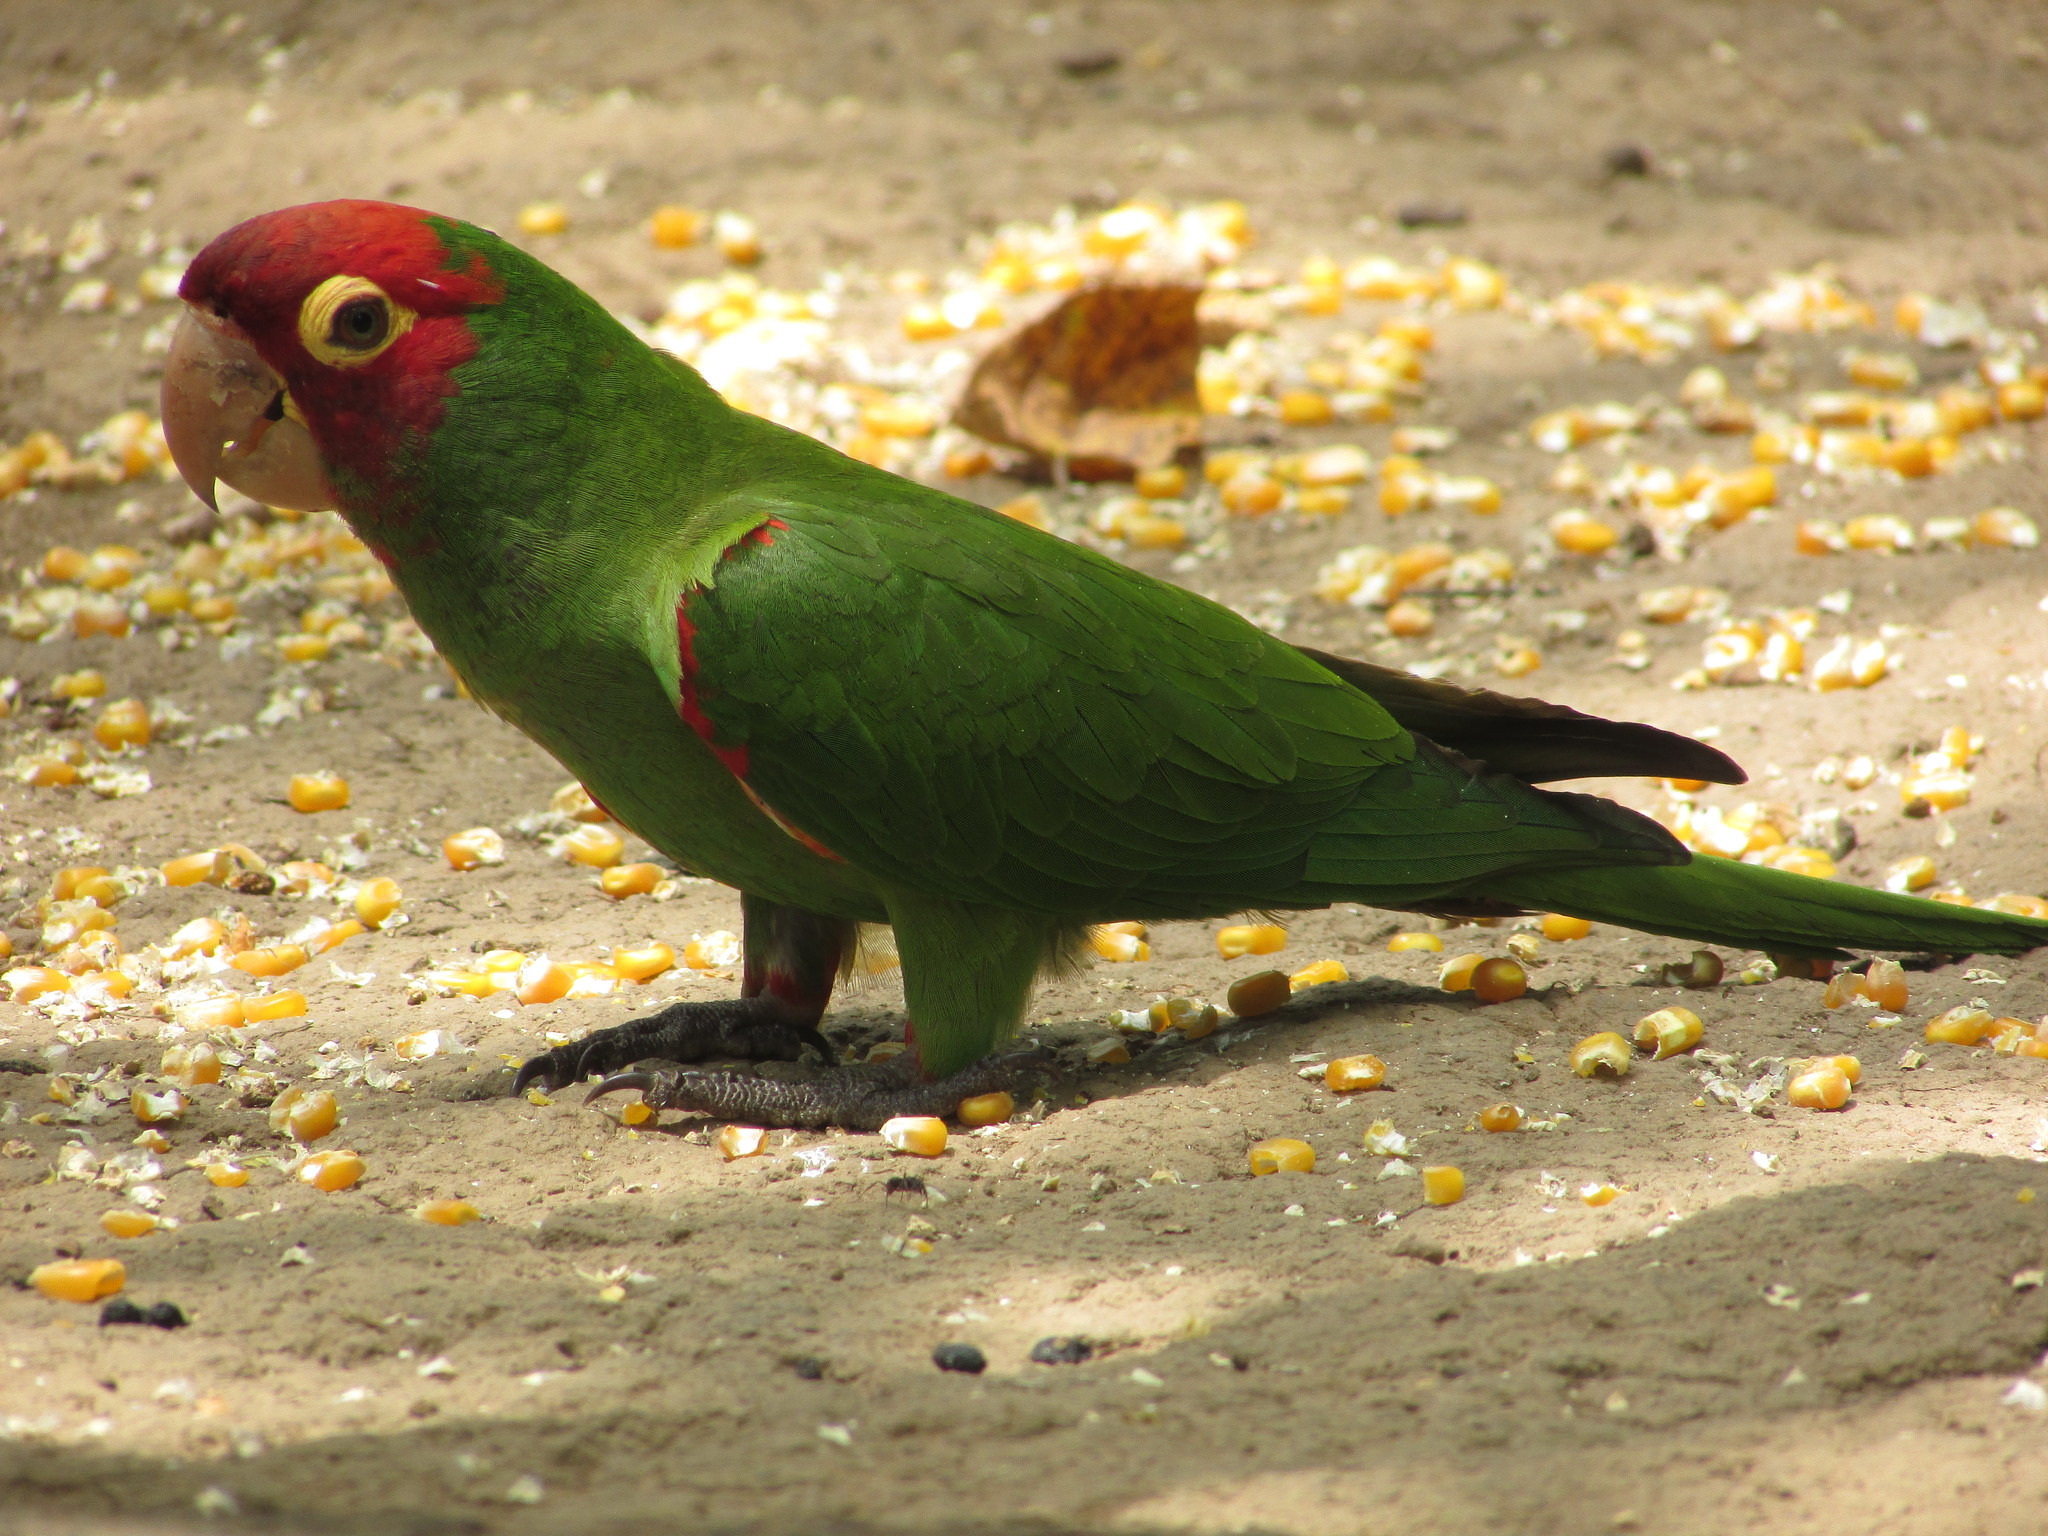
column 998, row 736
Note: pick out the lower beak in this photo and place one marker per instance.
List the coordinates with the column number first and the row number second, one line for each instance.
column 227, row 416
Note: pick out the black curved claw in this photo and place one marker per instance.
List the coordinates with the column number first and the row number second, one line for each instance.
column 619, row 1082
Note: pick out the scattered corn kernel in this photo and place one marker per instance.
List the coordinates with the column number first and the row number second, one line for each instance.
column 473, row 849
column 311, row 792
column 190, row 1065
column 331, row 1171
column 158, row 1107
column 127, row 1222
column 377, row 900
column 1112, row 944
column 675, row 227
column 737, row 1141
column 592, row 844
column 212, row 867
column 543, row 219
column 1884, row 983
column 1250, row 939
column 575, row 802
column 274, row 961
column 1322, row 973
column 79, row 1279
column 1562, row 930
column 1597, row 1195
column 1961, row 1025
column 1603, row 1055
column 1443, row 1185
column 987, row 1109
column 123, row 723
column 274, row 1005
column 1909, row 874
column 1405, row 941
column 542, row 980
column 304, row 1114
column 1663, row 1033
column 1259, row 993
column 447, row 1213
column 2018, row 903
column 644, row 963
column 1281, row 1154
column 226, row 1175
column 1821, row 1087
column 1456, row 974
column 1501, row 1117
column 1499, row 980
column 919, row 1135
column 1349, row 1074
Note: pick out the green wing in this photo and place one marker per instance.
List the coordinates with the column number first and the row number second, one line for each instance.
column 981, row 712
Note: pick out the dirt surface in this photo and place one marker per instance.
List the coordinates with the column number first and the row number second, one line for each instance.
column 1787, row 1321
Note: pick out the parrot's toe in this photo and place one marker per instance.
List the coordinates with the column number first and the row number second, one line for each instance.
column 857, row 1098
column 744, row 1029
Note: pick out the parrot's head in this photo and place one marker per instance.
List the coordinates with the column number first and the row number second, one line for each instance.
column 318, row 347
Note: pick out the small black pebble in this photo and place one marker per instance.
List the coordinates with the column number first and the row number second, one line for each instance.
column 809, row 1367
column 1426, row 215
column 1626, row 160
column 960, row 1357
column 1071, row 1351
column 121, row 1311
column 165, row 1314
column 1091, row 61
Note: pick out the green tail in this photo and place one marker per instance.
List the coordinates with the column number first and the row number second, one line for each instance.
column 1746, row 906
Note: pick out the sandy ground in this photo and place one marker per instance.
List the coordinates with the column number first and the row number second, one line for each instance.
column 1786, row 1322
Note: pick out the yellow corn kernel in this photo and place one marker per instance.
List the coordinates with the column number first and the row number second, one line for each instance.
column 276, row 960
column 65, row 883
column 1142, row 530
column 966, row 463
column 1111, row 1052
column 123, row 723
column 543, row 219
column 447, row 1213
column 1443, row 1185
column 542, row 980
column 214, row 610
column 1251, row 493
column 164, row 598
column 331, row 1171
column 376, row 901
column 592, row 844
column 1499, row 980
column 1416, row 564
column 311, row 792
column 1456, row 974
column 1501, row 1117
column 1250, row 939
column 1562, row 929
column 128, row 1223
column 1884, row 983
column 675, row 227
column 1169, row 482
column 709, row 951
column 1194, row 1018
column 103, row 891
column 643, row 963
column 1349, row 1074
column 1597, row 1195
column 190, row 1065
column 1311, row 408
column 918, row 1135
column 1603, row 1055
column 736, row 237
column 274, row 1005
column 1946, row 790
column 1281, row 1154
column 1410, row 619
column 926, row 322
column 1259, row 993
column 473, row 849
column 1961, row 1025
column 1405, row 941
column 987, row 1109
column 304, row 1114
column 100, row 616
column 635, row 1114
column 2022, row 400
column 304, row 648
column 1111, row 944
column 1909, row 874
column 1322, row 973
column 79, row 1279
column 211, row 1013
column 63, row 563
column 1580, row 533
column 2018, row 903
column 226, row 1175
column 898, row 416
column 332, row 935
column 2004, row 528
column 574, row 801
column 48, row 773
column 1819, row 1087
column 159, row 1107
column 1668, row 1031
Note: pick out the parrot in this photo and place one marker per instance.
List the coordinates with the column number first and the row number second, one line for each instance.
column 857, row 699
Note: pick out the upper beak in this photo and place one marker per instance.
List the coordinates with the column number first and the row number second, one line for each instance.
column 228, row 416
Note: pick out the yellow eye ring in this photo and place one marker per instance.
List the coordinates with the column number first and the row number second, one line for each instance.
column 349, row 320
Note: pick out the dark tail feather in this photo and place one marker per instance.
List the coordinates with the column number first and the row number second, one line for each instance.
column 1747, row 906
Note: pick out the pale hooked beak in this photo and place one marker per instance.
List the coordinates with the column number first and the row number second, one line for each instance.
column 228, row 416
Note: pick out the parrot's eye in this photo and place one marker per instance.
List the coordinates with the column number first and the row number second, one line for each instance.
column 348, row 320
column 360, row 324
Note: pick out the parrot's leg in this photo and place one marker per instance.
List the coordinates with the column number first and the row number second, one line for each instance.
column 967, row 975
column 792, row 959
